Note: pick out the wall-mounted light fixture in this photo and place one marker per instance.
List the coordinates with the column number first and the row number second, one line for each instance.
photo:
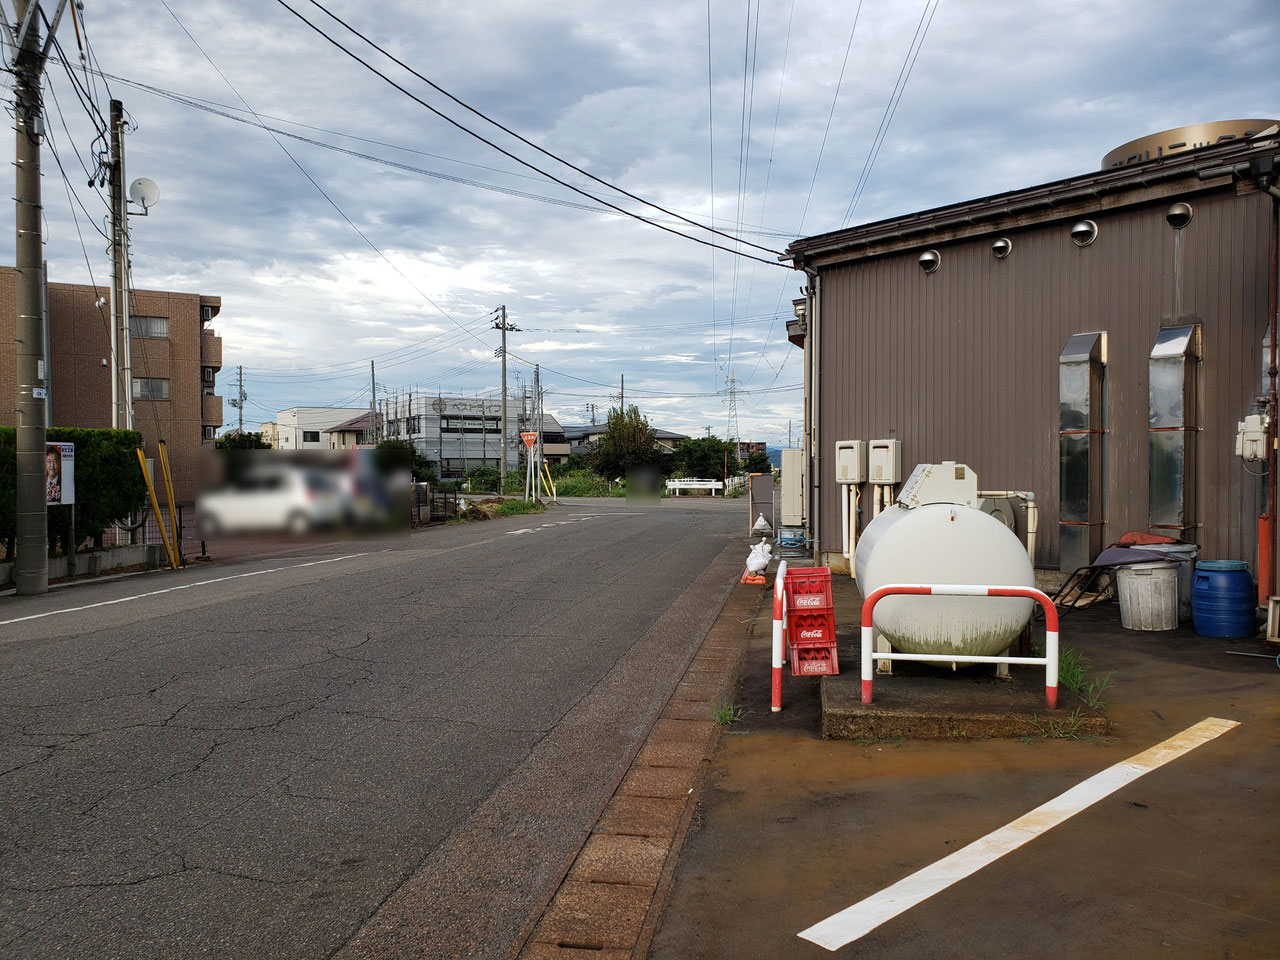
column 929, row 261
column 1084, row 233
column 1001, row 248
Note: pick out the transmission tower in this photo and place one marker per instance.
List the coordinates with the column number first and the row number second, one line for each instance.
column 732, row 399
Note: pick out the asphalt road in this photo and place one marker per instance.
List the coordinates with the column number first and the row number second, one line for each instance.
column 362, row 749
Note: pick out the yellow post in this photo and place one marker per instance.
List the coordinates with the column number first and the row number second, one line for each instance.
column 168, row 489
column 155, row 508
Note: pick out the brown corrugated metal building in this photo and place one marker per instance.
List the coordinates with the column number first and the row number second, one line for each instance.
column 963, row 363
column 176, row 358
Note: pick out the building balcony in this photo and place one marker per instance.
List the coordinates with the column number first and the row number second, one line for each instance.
column 210, row 350
column 211, row 410
column 555, row 449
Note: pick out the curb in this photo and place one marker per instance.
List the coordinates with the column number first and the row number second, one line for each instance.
column 612, row 894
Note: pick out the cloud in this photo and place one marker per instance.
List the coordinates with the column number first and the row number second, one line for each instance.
column 324, row 260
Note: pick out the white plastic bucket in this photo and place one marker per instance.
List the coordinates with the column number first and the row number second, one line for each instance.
column 1185, row 553
column 1149, row 595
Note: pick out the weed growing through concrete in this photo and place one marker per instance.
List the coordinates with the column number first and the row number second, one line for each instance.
column 1073, row 673
column 1068, row 728
column 730, row 713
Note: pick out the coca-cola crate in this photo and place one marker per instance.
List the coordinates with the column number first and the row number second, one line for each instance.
column 811, row 629
column 814, row 661
column 808, row 588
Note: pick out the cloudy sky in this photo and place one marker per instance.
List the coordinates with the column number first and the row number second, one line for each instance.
column 366, row 226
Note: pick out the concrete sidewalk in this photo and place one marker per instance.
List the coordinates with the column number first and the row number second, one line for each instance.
column 791, row 829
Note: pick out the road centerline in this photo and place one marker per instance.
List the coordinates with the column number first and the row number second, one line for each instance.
column 852, row 923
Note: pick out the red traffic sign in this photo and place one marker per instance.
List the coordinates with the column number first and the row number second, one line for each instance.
column 529, row 439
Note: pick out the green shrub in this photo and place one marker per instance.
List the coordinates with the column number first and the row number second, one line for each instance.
column 483, row 479
column 109, row 483
column 513, row 508
column 582, row 483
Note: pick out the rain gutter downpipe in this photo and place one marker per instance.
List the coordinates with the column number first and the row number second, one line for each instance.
column 814, row 310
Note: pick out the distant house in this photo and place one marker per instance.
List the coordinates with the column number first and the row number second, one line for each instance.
column 747, row 447
column 356, row 432
column 581, row 437
column 555, row 444
column 269, row 434
column 300, row 428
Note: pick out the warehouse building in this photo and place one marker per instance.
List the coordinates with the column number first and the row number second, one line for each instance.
column 1095, row 340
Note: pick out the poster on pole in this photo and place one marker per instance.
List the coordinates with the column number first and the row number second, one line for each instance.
column 59, row 474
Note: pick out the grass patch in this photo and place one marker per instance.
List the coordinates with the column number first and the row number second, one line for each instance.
column 514, row 508
column 729, row 714
column 582, row 483
column 1068, row 728
column 1073, row 673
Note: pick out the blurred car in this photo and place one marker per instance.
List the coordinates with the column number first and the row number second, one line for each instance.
column 279, row 497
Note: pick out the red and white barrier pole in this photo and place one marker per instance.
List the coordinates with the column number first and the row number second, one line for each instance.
column 1049, row 660
column 779, row 632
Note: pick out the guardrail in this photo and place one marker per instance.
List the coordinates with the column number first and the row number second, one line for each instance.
column 1049, row 660
column 694, row 484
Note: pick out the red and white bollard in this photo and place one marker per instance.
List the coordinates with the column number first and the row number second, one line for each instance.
column 779, row 633
column 1049, row 660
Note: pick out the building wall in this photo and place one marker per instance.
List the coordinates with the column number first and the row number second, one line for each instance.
column 963, row 364
column 291, row 424
column 80, row 372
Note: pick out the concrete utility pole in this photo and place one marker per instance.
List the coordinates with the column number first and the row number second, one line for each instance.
column 30, row 569
column 373, row 403
column 240, row 395
column 502, row 459
column 121, row 351
column 622, row 392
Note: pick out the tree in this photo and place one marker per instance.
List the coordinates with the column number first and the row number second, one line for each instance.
column 242, row 441
column 758, row 462
column 705, row 457
column 627, row 444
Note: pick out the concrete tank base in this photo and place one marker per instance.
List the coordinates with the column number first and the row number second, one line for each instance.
column 949, row 708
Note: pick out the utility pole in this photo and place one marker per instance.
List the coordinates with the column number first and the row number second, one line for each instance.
column 31, row 574
column 502, row 459
column 373, row 404
column 240, row 396
column 622, row 393
column 121, row 350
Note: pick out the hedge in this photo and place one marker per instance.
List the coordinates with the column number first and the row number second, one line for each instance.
column 109, row 484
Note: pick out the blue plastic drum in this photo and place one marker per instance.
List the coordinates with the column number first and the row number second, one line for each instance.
column 1223, row 599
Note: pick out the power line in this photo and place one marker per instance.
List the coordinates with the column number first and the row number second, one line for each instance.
column 564, row 183
column 505, row 129
column 314, row 183
column 891, row 108
column 831, row 113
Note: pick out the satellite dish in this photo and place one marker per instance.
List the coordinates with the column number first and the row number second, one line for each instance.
column 144, row 193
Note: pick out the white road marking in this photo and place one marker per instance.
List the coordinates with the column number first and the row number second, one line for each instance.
column 860, row 919
column 181, row 586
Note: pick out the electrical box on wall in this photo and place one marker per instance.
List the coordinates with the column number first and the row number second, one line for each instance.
column 851, row 461
column 884, row 461
column 1251, row 437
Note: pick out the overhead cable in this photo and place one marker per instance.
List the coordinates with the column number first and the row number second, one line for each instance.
column 507, row 153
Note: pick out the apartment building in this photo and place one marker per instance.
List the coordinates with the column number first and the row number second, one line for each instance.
column 176, row 357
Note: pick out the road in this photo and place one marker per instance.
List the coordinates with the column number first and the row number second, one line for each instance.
column 361, row 749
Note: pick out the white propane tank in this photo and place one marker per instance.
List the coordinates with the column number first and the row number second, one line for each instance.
column 944, row 543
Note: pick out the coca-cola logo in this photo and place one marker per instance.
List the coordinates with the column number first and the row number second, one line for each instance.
column 811, row 634
column 808, row 601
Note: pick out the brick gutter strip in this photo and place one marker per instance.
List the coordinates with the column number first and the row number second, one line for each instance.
column 612, row 896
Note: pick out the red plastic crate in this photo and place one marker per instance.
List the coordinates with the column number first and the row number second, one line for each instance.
column 808, row 588
column 813, row 629
column 814, row 661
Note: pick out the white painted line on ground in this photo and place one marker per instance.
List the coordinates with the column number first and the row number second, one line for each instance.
column 181, row 586
column 860, row 919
